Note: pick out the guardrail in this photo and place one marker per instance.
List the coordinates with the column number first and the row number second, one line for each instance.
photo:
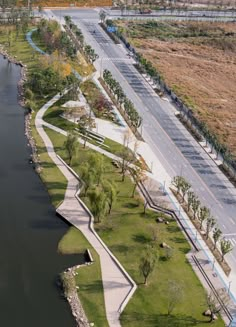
column 169, row 212
column 223, row 306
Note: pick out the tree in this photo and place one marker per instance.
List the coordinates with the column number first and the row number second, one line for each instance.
column 96, row 162
column 185, row 186
column 177, row 182
column 174, row 295
column 216, row 235
column 70, row 145
column 85, row 123
column 154, row 232
column 102, row 15
column 190, row 198
column 204, row 213
column 111, row 190
column 213, row 304
column 226, row 247
column 138, row 175
column 99, row 203
column 87, row 174
column 210, row 223
column 147, row 263
column 195, row 205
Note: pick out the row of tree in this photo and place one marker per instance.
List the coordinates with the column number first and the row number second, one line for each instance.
column 87, row 50
column 147, row 67
column 122, row 99
column 202, row 213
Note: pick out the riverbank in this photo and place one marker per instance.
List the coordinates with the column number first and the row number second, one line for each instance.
column 70, row 292
column 73, row 300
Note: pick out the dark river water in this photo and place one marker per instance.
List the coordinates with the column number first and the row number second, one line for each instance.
column 29, row 229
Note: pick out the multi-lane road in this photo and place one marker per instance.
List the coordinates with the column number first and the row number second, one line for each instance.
column 175, row 148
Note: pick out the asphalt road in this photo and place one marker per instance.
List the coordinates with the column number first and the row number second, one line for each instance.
column 176, row 149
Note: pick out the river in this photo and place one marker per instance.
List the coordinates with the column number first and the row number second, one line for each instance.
column 29, row 229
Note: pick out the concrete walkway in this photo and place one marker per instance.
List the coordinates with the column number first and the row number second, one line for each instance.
column 118, row 286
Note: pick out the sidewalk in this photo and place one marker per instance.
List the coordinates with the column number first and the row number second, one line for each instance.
column 118, row 286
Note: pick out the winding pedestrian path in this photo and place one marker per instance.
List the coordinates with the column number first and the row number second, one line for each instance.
column 118, row 285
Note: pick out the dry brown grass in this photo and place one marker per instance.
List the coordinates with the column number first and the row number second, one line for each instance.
column 202, row 71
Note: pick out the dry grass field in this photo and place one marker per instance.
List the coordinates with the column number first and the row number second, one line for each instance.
column 198, row 61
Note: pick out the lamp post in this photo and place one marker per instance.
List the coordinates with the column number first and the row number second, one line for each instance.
column 229, row 286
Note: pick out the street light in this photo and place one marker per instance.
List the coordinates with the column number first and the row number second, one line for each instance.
column 213, row 265
column 229, row 286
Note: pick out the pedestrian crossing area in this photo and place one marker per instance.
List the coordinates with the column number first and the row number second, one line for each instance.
column 233, row 242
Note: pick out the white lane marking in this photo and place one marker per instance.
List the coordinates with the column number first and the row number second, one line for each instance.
column 230, row 234
column 233, row 222
column 224, row 226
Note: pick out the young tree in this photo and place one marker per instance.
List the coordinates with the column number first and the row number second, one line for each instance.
column 87, row 175
column 139, row 176
column 99, row 203
column 96, row 162
column 85, row 123
column 147, row 263
column 213, row 304
column 70, row 145
column 177, row 182
column 210, row 223
column 154, row 232
column 185, row 186
column 102, row 15
column 204, row 213
column 111, row 190
column 226, row 247
column 216, row 235
column 174, row 294
column 190, row 198
column 195, row 205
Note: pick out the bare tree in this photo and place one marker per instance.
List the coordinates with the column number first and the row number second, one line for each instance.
column 148, row 262
column 175, row 295
column 213, row 304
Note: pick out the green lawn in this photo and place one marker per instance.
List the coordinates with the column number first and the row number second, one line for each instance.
column 19, row 47
column 89, row 277
column 126, row 232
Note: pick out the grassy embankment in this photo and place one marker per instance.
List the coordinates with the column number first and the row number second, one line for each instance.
column 79, row 63
column 127, row 231
column 55, row 182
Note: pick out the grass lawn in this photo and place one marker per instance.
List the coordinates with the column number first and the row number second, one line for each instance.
column 89, row 277
column 19, row 47
column 126, row 232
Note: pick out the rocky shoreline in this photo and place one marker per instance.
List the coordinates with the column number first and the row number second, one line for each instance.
column 70, row 293
column 72, row 297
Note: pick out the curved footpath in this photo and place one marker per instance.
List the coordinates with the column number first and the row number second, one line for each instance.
column 118, row 285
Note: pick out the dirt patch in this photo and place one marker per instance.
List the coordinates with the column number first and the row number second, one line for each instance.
column 198, row 61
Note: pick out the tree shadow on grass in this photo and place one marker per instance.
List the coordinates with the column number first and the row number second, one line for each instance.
column 173, row 229
column 178, row 240
column 154, row 320
column 131, row 205
column 119, row 248
column 184, row 250
column 141, row 238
